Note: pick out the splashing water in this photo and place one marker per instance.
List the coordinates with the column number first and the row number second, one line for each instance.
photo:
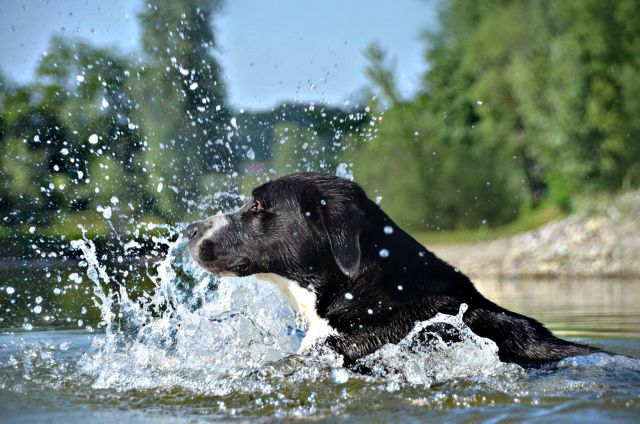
column 214, row 336
column 194, row 332
column 232, row 342
column 423, row 357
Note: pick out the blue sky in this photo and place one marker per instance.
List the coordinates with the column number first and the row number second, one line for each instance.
column 270, row 50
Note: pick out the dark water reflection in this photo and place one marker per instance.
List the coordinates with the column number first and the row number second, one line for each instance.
column 574, row 308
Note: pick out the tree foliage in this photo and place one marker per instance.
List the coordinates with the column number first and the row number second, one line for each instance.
column 147, row 135
column 522, row 103
column 183, row 100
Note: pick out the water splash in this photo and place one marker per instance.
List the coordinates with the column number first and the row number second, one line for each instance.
column 232, row 343
column 213, row 336
column 194, row 331
column 436, row 350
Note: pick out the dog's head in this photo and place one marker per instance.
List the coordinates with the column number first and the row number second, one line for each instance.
column 293, row 225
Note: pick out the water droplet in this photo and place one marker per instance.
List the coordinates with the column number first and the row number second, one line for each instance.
column 104, row 103
column 393, row 386
column 339, row 375
column 93, row 139
column 348, row 296
column 400, row 288
column 10, row 290
column 80, row 78
column 370, row 311
column 384, row 253
column 193, row 86
column 160, row 187
column 37, row 309
column 343, row 171
column 32, row 230
column 106, row 211
column 388, row 229
column 251, row 155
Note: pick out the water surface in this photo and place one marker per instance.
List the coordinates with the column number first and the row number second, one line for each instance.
column 195, row 348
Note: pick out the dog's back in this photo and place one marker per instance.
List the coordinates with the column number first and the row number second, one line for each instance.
column 323, row 240
column 409, row 283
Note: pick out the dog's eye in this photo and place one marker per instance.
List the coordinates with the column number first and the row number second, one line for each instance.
column 257, row 206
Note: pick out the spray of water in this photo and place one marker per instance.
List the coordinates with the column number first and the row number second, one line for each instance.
column 233, row 342
column 214, row 336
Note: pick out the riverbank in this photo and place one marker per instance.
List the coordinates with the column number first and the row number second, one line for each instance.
column 601, row 240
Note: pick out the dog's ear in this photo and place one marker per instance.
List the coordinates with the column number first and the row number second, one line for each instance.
column 341, row 220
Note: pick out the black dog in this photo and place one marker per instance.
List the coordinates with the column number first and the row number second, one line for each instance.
column 359, row 280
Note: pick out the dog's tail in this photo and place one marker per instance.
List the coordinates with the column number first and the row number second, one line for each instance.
column 520, row 339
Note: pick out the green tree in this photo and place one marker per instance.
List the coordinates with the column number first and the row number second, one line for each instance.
column 31, row 150
column 77, row 114
column 297, row 149
column 522, row 102
column 432, row 172
column 92, row 90
column 595, row 69
column 182, row 102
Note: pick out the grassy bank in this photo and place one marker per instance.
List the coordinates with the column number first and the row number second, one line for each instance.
column 525, row 222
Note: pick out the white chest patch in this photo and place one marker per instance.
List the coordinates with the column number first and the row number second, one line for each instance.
column 304, row 302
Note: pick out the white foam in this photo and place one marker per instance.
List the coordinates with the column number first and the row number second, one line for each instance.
column 415, row 362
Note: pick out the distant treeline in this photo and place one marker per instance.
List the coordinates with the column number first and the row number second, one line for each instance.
column 524, row 103
column 146, row 136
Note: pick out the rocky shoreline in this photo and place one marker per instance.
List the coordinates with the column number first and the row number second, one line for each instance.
column 603, row 242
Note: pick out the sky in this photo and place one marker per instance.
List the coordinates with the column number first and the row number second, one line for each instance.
column 270, row 50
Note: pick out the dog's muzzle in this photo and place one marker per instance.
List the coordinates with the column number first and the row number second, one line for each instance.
column 193, row 229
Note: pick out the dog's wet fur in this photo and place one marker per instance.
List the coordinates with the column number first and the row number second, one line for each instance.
column 324, row 244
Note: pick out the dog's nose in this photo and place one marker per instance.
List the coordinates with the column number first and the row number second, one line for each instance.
column 192, row 229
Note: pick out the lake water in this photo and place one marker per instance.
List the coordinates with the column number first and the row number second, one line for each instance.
column 192, row 348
